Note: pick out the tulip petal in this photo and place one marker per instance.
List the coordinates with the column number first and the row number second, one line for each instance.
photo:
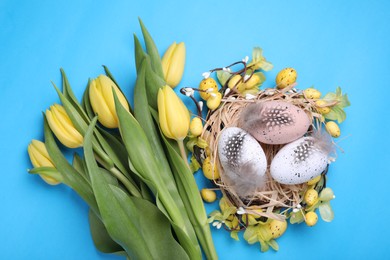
column 64, row 120
column 59, row 131
column 176, row 66
column 100, row 106
column 167, row 58
column 178, row 118
column 162, row 114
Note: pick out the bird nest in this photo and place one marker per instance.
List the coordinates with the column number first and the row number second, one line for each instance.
column 274, row 198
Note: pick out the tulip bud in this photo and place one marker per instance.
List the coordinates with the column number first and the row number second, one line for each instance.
column 173, row 115
column 102, row 100
column 40, row 158
column 62, row 127
column 173, row 63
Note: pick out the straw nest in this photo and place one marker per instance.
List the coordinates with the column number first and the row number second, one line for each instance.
column 274, row 198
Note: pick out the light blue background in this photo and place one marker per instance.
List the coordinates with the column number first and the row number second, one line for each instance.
column 330, row 43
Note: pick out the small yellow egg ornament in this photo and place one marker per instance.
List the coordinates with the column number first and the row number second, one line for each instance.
column 210, row 170
column 208, row 86
column 333, row 129
column 286, row 77
column 208, row 195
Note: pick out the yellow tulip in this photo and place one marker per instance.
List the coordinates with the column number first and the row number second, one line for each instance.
column 174, row 116
column 102, row 100
column 40, row 158
column 62, row 127
column 173, row 63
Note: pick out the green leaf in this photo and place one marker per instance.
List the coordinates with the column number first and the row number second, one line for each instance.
column 79, row 165
column 190, row 195
column 144, row 164
column 326, row 212
column 49, row 172
column 86, row 103
column 123, row 215
column 109, row 74
column 68, row 93
column 101, row 239
column 152, row 51
column 138, row 53
column 296, row 217
column 71, row 177
column 326, row 194
column 194, row 164
column 153, row 84
column 336, row 113
column 223, row 76
column 258, row 60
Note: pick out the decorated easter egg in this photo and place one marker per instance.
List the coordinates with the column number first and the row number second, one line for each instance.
column 243, row 161
column 299, row 161
column 274, row 122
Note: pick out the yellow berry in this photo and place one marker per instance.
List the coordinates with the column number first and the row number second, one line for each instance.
column 333, row 129
column 277, row 228
column 311, row 218
column 208, row 195
column 286, row 77
column 214, row 101
column 205, row 85
column 321, row 107
column 312, row 93
column 196, row 126
column 210, row 170
column 314, row 181
column 311, row 197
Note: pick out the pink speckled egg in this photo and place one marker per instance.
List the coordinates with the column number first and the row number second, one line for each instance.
column 274, row 122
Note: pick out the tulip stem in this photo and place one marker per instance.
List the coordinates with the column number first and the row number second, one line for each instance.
column 183, row 152
column 129, row 186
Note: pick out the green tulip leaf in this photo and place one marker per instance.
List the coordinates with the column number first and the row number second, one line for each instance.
column 49, row 172
column 190, row 196
column 86, row 103
column 101, row 239
column 153, row 84
column 138, row 53
column 71, row 177
column 69, row 95
column 143, row 163
column 326, row 212
column 122, row 215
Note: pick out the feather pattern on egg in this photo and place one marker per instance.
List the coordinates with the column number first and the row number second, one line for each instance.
column 243, row 161
column 274, row 122
column 302, row 160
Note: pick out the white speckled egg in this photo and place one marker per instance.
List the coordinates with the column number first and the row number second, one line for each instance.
column 243, row 161
column 299, row 161
column 274, row 122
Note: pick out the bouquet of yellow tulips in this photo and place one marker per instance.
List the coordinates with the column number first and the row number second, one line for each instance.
column 144, row 202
